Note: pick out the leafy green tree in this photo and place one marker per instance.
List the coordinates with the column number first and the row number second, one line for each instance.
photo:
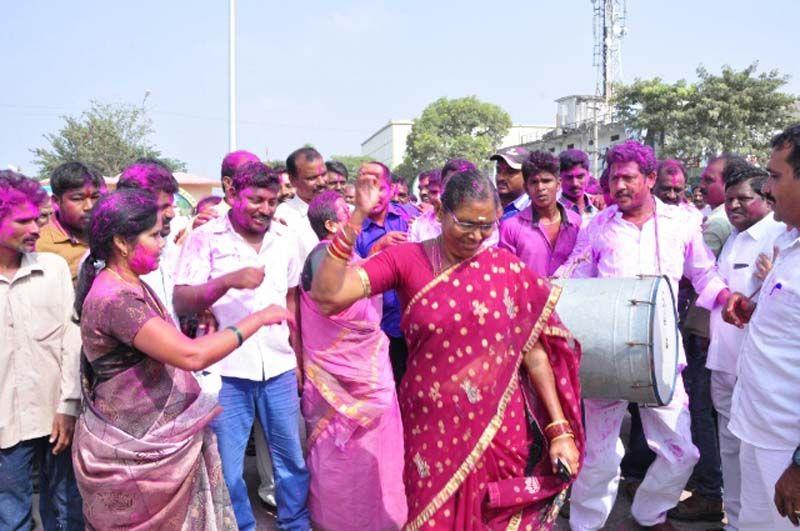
column 737, row 110
column 352, row 163
column 462, row 127
column 107, row 136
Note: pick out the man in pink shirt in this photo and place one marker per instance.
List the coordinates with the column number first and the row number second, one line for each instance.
column 639, row 235
column 543, row 235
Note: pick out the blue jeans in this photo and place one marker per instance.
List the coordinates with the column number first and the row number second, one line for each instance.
column 276, row 403
column 60, row 504
column 707, row 475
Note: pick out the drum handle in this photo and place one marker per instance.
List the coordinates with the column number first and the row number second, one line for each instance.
column 635, row 302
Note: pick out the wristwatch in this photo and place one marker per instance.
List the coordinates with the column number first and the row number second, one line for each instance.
column 796, row 457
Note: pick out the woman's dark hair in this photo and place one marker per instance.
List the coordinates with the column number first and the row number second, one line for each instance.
column 469, row 185
column 126, row 213
column 539, row 162
column 321, row 209
column 455, row 166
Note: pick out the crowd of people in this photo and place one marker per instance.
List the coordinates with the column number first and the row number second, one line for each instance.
column 392, row 351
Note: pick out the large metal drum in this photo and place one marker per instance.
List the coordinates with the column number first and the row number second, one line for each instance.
column 628, row 331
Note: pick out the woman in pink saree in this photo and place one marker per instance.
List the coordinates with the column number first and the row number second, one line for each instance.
column 355, row 437
column 491, row 400
column 143, row 453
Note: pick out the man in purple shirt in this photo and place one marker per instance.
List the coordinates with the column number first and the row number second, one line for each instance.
column 543, row 235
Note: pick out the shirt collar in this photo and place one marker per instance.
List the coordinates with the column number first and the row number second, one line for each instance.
column 568, row 217
column 518, row 204
column 27, row 266
column 57, row 233
column 393, row 211
column 223, row 225
column 760, row 228
column 567, row 202
column 299, row 205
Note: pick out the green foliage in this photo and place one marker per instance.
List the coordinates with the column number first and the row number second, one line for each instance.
column 462, row 127
column 352, row 163
column 735, row 111
column 107, row 136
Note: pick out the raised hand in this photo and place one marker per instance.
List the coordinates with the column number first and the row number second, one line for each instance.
column 368, row 190
column 245, row 278
column 764, row 264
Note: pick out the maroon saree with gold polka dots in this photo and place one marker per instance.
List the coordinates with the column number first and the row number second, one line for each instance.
column 471, row 419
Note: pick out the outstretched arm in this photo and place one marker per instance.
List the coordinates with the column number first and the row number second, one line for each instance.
column 160, row 340
column 336, row 284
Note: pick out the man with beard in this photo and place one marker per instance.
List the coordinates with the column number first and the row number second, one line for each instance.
column 509, row 180
column 39, row 360
column 237, row 264
column 336, row 175
column 76, row 187
column 622, row 241
column 754, row 231
column 543, row 235
column 155, row 177
column 386, row 225
column 307, row 173
column 575, row 177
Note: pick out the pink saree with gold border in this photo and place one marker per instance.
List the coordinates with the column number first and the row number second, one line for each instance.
column 474, row 455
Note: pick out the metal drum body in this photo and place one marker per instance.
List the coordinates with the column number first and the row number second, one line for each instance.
column 627, row 328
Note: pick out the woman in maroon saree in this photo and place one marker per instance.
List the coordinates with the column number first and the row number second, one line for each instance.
column 144, row 455
column 491, row 368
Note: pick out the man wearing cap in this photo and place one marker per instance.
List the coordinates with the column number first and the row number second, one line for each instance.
column 509, row 179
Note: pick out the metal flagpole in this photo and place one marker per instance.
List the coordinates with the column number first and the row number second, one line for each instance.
column 232, row 75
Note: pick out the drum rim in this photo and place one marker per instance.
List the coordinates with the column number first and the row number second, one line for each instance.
column 659, row 399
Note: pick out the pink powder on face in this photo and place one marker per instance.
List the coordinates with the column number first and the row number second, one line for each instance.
column 143, row 260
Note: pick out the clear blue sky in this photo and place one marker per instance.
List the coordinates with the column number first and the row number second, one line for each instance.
column 331, row 73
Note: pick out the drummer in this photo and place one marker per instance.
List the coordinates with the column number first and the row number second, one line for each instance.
column 639, row 235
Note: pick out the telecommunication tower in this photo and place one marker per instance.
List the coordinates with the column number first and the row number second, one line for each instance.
column 609, row 29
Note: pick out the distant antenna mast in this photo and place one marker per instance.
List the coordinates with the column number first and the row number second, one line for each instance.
column 609, row 29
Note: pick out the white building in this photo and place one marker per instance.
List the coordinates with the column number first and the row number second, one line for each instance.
column 575, row 122
column 388, row 144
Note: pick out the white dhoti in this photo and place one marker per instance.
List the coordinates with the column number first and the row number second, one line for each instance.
column 668, row 434
column 761, row 469
column 722, row 384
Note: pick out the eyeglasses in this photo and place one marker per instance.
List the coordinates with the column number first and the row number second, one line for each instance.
column 468, row 226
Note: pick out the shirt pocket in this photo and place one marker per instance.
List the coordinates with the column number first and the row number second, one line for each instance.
column 43, row 314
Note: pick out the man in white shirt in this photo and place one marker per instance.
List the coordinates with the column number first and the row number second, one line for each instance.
column 307, row 172
column 639, row 235
column 754, row 232
column 765, row 410
column 236, row 264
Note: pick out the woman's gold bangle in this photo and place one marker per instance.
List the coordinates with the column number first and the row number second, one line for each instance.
column 562, row 436
column 556, row 423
